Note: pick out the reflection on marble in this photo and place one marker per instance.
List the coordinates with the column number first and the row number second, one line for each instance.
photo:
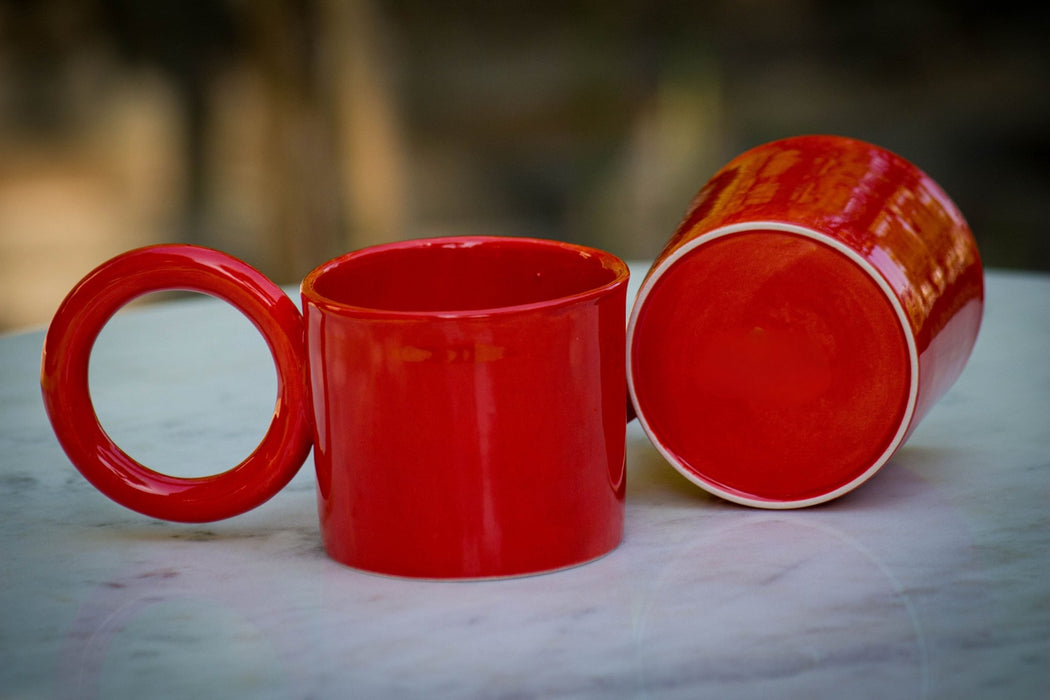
column 930, row 581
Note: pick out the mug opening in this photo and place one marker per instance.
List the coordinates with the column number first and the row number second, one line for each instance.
column 772, row 365
column 463, row 276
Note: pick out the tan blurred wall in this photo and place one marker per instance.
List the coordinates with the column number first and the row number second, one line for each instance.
column 68, row 203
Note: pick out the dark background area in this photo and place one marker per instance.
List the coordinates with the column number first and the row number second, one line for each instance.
column 288, row 132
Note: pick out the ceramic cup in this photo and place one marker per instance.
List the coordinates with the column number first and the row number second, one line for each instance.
column 464, row 399
column 819, row 296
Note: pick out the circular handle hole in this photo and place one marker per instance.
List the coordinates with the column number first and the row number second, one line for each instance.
column 187, row 387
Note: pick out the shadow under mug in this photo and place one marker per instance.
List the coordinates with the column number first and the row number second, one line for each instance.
column 463, row 397
column 819, row 297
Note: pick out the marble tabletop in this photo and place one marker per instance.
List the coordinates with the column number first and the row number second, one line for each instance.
column 932, row 580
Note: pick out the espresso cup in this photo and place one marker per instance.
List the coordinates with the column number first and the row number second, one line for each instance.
column 819, row 297
column 463, row 397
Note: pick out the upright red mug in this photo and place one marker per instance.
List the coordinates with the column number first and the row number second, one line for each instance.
column 464, row 399
column 818, row 298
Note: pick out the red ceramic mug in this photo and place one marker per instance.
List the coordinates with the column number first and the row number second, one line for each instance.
column 819, row 296
column 464, row 399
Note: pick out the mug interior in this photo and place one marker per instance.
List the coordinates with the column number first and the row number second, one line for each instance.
column 772, row 365
column 463, row 275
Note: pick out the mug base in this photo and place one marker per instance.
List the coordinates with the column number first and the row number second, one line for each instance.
column 771, row 365
column 468, row 578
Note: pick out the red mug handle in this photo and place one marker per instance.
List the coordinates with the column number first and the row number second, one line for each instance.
column 64, row 382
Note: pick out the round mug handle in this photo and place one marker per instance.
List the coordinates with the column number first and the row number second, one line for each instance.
column 64, row 382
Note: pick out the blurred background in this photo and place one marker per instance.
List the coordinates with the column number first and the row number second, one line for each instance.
column 288, row 132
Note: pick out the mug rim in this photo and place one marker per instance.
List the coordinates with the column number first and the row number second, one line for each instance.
column 609, row 261
column 907, row 417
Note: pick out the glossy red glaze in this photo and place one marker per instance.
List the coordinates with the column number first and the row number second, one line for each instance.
column 64, row 381
column 818, row 298
column 468, row 395
column 468, row 402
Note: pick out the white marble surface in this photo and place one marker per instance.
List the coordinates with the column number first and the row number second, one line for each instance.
column 930, row 581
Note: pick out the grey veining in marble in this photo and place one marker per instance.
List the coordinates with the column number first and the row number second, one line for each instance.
column 930, row 581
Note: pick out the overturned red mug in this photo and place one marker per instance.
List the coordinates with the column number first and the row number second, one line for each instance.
column 818, row 298
column 464, row 399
